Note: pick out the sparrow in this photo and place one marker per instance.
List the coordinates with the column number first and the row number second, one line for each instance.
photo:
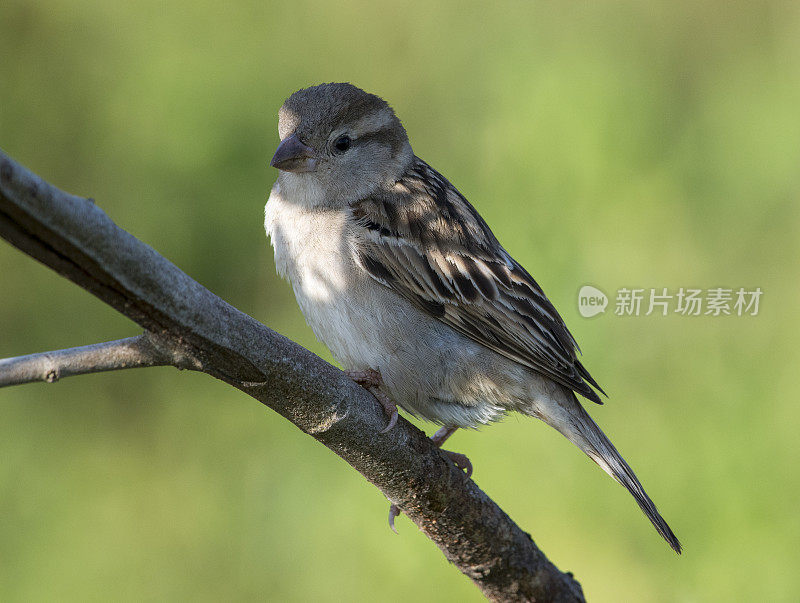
column 400, row 277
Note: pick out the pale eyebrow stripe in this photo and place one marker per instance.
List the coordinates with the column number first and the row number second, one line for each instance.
column 390, row 135
column 374, row 121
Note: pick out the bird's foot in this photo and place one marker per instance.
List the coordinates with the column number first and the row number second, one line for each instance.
column 372, row 381
column 458, row 459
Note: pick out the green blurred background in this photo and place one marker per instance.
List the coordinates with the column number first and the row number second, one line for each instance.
column 623, row 144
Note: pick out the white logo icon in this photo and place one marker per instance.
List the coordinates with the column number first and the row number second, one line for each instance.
column 591, row 301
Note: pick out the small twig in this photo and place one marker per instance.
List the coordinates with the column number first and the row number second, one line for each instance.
column 131, row 352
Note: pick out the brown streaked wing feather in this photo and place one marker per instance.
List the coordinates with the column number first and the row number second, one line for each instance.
column 427, row 243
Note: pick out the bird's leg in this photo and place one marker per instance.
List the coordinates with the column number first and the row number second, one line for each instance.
column 372, row 381
column 459, row 460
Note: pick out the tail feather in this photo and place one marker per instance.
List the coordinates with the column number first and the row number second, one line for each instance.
column 602, row 451
column 584, row 432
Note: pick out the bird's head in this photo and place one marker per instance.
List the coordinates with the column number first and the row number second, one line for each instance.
column 342, row 139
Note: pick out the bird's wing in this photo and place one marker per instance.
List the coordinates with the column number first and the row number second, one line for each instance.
column 426, row 242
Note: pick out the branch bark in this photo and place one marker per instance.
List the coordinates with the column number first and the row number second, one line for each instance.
column 189, row 327
column 131, row 352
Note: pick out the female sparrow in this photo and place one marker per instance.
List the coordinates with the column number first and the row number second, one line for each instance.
column 405, row 283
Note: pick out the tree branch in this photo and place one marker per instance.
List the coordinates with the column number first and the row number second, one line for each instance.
column 132, row 352
column 191, row 327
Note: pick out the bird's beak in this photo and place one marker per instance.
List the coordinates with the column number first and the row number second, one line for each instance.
column 294, row 156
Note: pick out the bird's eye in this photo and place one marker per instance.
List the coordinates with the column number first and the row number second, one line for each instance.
column 341, row 144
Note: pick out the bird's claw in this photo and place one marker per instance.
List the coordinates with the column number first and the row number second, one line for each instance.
column 372, row 381
column 394, row 511
column 366, row 379
column 459, row 460
column 393, row 416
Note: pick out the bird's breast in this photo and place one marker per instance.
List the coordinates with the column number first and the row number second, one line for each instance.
column 312, row 252
column 310, row 247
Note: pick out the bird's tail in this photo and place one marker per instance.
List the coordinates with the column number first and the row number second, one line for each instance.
column 579, row 428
